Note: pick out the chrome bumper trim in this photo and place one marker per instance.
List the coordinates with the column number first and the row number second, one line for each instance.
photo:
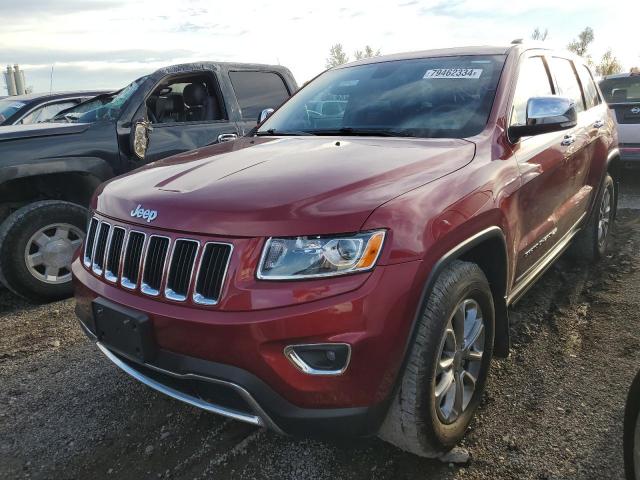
column 259, row 419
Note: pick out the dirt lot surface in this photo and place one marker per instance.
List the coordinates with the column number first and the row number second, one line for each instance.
column 553, row 410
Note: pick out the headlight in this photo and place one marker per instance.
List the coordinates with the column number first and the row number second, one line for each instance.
column 311, row 257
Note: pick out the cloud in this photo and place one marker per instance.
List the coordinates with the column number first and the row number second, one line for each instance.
column 48, row 57
column 23, row 8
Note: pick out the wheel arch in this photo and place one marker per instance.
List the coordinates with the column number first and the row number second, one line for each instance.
column 72, row 185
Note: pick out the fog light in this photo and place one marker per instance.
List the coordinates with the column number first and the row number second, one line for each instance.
column 320, row 358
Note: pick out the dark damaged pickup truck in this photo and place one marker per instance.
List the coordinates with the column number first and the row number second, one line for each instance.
column 48, row 172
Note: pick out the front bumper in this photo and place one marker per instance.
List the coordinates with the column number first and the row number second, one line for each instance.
column 232, row 363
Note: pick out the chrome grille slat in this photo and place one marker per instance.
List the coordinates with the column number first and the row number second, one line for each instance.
column 99, row 249
column 181, row 268
column 88, row 245
column 211, row 273
column 156, row 263
column 132, row 258
column 114, row 254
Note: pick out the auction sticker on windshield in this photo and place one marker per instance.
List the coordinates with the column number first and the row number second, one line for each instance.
column 453, row 73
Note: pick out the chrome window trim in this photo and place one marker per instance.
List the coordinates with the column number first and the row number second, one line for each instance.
column 199, row 298
column 144, row 288
column 109, row 276
column 169, row 293
column 125, row 282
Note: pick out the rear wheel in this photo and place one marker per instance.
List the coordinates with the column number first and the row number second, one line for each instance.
column 591, row 243
column 448, row 364
column 37, row 243
column 632, row 432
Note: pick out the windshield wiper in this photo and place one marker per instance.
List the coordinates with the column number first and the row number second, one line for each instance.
column 273, row 132
column 366, row 132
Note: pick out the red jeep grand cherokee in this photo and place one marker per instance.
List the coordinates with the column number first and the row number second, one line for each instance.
column 346, row 269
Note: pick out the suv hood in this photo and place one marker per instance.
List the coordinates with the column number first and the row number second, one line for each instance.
column 280, row 186
column 40, row 130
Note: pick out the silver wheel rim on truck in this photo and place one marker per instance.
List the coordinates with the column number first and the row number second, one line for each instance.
column 49, row 252
column 459, row 361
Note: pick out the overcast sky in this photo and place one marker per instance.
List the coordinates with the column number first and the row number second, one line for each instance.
column 108, row 43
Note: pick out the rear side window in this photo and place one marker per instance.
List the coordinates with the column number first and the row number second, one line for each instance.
column 589, row 87
column 258, row 90
column 567, row 81
column 533, row 81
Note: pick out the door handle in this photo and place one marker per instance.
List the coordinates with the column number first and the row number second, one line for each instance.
column 227, row 137
column 568, row 140
column 598, row 124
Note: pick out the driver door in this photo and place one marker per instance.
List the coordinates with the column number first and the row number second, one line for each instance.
column 186, row 112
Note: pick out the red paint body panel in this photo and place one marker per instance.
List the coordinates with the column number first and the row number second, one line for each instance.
column 429, row 195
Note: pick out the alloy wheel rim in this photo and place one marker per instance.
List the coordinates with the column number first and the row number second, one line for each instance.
column 49, row 252
column 605, row 217
column 459, row 361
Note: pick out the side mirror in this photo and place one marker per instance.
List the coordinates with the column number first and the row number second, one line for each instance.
column 264, row 114
column 546, row 114
column 140, row 137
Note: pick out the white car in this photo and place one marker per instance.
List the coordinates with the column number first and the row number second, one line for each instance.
column 622, row 93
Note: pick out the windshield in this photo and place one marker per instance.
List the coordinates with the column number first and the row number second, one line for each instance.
column 111, row 110
column 429, row 97
column 9, row 107
column 624, row 89
column 73, row 113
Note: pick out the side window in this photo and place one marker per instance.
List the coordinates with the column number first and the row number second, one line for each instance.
column 258, row 90
column 589, row 87
column 46, row 112
column 533, row 81
column 185, row 98
column 567, row 81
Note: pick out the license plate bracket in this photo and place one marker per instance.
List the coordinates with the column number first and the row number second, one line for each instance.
column 126, row 331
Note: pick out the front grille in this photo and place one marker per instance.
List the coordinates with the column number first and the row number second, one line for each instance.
column 181, row 268
column 154, row 265
column 132, row 257
column 213, row 267
column 157, row 265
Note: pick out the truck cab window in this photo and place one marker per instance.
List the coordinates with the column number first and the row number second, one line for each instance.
column 257, row 91
column 181, row 99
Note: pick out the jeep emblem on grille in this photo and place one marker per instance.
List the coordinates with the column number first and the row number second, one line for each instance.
column 146, row 214
column 635, row 110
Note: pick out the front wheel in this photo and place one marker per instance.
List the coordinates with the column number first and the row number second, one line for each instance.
column 448, row 364
column 37, row 243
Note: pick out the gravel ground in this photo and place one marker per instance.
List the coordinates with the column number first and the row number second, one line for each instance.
column 553, row 410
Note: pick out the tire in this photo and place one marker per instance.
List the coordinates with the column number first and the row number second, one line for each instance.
column 588, row 245
column 41, row 226
column 416, row 421
column 632, row 432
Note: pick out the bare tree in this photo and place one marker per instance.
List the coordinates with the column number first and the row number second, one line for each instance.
column 540, row 35
column 337, row 56
column 608, row 65
column 580, row 46
column 367, row 53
